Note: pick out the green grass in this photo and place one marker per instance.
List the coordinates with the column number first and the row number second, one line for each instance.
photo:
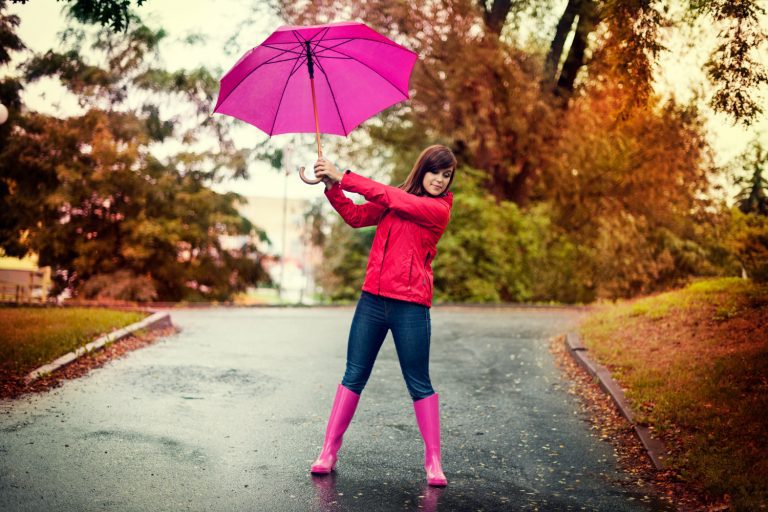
column 30, row 337
column 724, row 293
column 694, row 363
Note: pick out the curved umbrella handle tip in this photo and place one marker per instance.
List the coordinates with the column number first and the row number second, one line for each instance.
column 307, row 180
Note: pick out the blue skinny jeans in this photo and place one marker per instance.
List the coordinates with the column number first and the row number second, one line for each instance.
column 411, row 330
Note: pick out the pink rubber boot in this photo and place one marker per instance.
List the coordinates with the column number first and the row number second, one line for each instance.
column 343, row 409
column 428, row 418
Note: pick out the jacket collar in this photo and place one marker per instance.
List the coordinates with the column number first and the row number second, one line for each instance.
column 448, row 196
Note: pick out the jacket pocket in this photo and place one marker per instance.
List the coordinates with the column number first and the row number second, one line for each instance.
column 410, row 271
column 418, row 282
column 427, row 275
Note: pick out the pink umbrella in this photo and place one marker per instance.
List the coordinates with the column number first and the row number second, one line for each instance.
column 359, row 71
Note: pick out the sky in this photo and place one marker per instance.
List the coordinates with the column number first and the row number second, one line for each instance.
column 679, row 73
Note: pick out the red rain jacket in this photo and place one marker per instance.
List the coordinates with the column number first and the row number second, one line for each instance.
column 405, row 243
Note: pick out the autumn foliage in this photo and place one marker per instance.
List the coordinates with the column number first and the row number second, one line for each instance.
column 570, row 188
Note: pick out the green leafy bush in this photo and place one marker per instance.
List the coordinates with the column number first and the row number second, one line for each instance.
column 747, row 240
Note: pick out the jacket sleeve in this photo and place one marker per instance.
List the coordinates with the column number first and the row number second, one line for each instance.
column 430, row 212
column 356, row 215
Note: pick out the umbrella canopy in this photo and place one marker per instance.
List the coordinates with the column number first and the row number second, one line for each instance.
column 316, row 79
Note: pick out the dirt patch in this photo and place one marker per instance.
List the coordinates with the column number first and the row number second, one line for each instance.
column 614, row 428
column 13, row 385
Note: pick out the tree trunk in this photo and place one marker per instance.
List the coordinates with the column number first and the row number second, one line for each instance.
column 558, row 42
column 518, row 189
column 574, row 61
column 497, row 15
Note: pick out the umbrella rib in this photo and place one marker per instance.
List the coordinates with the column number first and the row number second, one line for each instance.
column 338, row 58
column 324, row 32
column 324, row 48
column 335, row 104
column 282, row 95
column 296, row 68
column 303, row 41
column 268, row 61
column 298, row 37
column 286, row 60
column 271, row 59
column 391, row 43
column 369, row 67
column 290, row 50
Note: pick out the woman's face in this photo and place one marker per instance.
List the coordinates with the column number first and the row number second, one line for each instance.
column 435, row 183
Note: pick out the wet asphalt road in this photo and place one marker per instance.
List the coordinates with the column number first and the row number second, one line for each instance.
column 228, row 415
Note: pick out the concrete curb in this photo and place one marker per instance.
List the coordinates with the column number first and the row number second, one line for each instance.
column 653, row 446
column 154, row 321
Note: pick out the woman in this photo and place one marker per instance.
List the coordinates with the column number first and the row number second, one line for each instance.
column 397, row 291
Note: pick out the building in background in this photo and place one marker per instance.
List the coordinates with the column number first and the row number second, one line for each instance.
column 295, row 273
column 22, row 281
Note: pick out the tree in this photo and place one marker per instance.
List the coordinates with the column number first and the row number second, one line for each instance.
column 88, row 196
column 747, row 231
column 747, row 241
column 629, row 43
column 492, row 252
column 9, row 87
column 753, row 197
column 474, row 85
column 113, row 13
column 614, row 177
column 633, row 193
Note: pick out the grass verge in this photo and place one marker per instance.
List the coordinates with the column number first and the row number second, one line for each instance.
column 694, row 366
column 33, row 336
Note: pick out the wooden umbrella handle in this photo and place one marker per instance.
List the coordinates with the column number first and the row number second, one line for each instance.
column 307, row 180
column 317, row 126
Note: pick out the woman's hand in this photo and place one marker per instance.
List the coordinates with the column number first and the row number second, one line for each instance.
column 326, row 170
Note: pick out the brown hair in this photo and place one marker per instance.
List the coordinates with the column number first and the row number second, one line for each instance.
column 434, row 158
